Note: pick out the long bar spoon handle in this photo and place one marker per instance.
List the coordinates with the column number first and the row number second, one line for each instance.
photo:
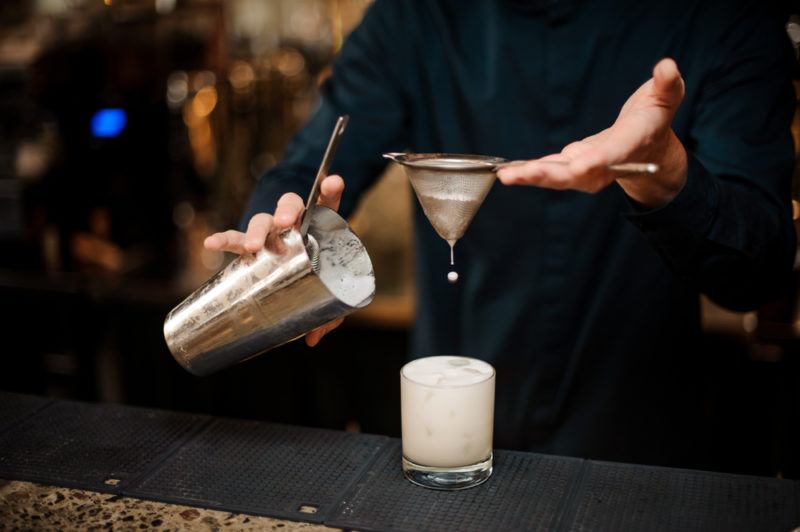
column 322, row 173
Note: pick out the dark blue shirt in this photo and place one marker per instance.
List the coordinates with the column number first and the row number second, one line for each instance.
column 586, row 305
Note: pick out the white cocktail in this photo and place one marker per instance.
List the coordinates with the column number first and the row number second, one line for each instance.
column 447, row 407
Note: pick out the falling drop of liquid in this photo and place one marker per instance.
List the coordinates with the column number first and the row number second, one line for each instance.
column 452, row 276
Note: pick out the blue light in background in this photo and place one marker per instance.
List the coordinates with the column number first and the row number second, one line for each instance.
column 109, row 123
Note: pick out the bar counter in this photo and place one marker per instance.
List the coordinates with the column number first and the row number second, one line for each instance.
column 89, row 466
column 27, row 505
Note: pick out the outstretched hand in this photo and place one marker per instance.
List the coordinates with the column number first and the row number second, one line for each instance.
column 287, row 214
column 641, row 133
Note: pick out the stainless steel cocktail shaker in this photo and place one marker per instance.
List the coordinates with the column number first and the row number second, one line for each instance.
column 260, row 301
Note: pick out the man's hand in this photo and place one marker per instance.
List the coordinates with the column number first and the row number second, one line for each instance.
column 287, row 214
column 641, row 133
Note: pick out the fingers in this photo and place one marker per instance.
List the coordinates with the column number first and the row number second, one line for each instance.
column 316, row 335
column 538, row 172
column 290, row 206
column 591, row 167
column 231, row 241
column 330, row 192
column 257, row 231
column 668, row 85
column 587, row 172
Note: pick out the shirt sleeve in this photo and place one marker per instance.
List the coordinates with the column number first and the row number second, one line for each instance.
column 729, row 231
column 366, row 85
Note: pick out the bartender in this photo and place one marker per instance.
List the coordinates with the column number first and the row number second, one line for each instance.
column 582, row 285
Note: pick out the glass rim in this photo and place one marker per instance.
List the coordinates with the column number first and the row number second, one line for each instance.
column 447, row 386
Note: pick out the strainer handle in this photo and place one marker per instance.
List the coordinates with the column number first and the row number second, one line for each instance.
column 628, row 168
column 393, row 156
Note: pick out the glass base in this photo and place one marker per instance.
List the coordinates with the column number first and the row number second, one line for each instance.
column 448, row 478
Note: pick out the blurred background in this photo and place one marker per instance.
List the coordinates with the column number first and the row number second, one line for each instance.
column 132, row 129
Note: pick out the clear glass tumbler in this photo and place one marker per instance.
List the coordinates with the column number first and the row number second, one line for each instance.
column 447, row 410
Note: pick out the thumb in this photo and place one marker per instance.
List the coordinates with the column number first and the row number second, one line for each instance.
column 668, row 86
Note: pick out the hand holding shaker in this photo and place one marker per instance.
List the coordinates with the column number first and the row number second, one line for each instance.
column 302, row 279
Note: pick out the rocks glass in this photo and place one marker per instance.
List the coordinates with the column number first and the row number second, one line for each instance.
column 447, row 410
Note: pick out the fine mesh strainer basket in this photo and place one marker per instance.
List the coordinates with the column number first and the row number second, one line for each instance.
column 450, row 187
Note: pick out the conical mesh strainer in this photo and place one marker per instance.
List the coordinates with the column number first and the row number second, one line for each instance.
column 450, row 187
